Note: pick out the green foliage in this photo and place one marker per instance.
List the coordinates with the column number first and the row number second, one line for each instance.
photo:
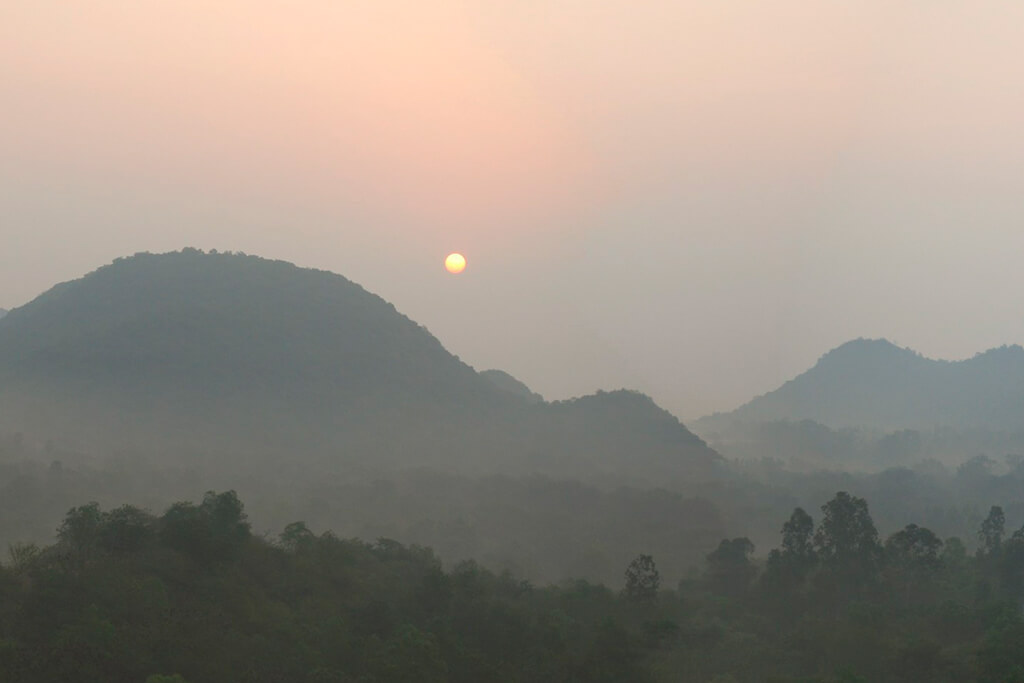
column 642, row 579
column 203, row 598
column 798, row 538
column 730, row 570
column 914, row 548
column 847, row 540
column 992, row 529
column 1012, row 568
column 195, row 593
column 79, row 534
column 214, row 530
column 126, row 529
column 22, row 555
column 788, row 567
column 1001, row 656
column 296, row 537
column 542, row 529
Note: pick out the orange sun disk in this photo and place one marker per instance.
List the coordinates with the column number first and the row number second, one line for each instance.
column 455, row 263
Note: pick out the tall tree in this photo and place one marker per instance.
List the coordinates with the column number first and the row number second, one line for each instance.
column 642, row 578
column 788, row 567
column 915, row 548
column 847, row 540
column 729, row 567
column 79, row 533
column 991, row 532
column 126, row 529
column 798, row 538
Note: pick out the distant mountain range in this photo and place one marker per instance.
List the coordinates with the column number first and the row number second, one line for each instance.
column 877, row 388
column 190, row 356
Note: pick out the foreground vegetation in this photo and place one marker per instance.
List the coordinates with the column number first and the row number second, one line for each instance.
column 194, row 596
column 124, row 596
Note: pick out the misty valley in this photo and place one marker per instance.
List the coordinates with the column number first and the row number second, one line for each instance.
column 220, row 467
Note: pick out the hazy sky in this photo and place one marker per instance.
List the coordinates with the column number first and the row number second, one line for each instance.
column 695, row 199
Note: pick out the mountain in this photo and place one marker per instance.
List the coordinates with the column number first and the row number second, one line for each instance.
column 3, row 312
column 876, row 385
column 507, row 383
column 196, row 357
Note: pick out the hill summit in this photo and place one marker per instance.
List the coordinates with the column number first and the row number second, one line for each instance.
column 193, row 354
column 875, row 384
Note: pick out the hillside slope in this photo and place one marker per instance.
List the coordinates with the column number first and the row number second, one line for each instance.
column 877, row 385
column 509, row 384
column 189, row 354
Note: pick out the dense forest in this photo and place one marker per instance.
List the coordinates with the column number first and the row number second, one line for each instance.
column 193, row 595
column 540, row 528
column 543, row 529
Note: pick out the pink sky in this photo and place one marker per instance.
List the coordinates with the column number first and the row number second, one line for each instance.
column 692, row 199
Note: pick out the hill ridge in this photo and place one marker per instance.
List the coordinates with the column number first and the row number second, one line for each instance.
column 876, row 384
column 194, row 352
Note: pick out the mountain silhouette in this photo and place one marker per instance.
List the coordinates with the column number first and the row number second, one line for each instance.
column 506, row 382
column 243, row 360
column 877, row 385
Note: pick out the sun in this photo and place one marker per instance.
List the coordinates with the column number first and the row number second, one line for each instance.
column 455, row 263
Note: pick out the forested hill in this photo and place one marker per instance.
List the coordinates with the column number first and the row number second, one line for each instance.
column 875, row 384
column 193, row 353
column 506, row 382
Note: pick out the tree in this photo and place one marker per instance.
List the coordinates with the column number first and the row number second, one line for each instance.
column 798, row 538
column 1011, row 567
column 729, row 567
column 847, row 532
column 847, row 540
column 213, row 530
column 976, row 470
column 411, row 656
column 227, row 517
column 296, row 536
column 789, row 566
column 126, row 529
column 991, row 532
column 912, row 559
column 914, row 548
column 1001, row 655
column 79, row 533
column 22, row 555
column 642, row 579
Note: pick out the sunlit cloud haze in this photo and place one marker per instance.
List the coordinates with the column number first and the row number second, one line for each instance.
column 691, row 199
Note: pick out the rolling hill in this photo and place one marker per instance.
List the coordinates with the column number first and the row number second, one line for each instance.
column 875, row 384
column 193, row 356
column 506, row 382
column 872, row 401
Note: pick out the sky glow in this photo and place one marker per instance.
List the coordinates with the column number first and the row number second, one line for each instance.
column 691, row 199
